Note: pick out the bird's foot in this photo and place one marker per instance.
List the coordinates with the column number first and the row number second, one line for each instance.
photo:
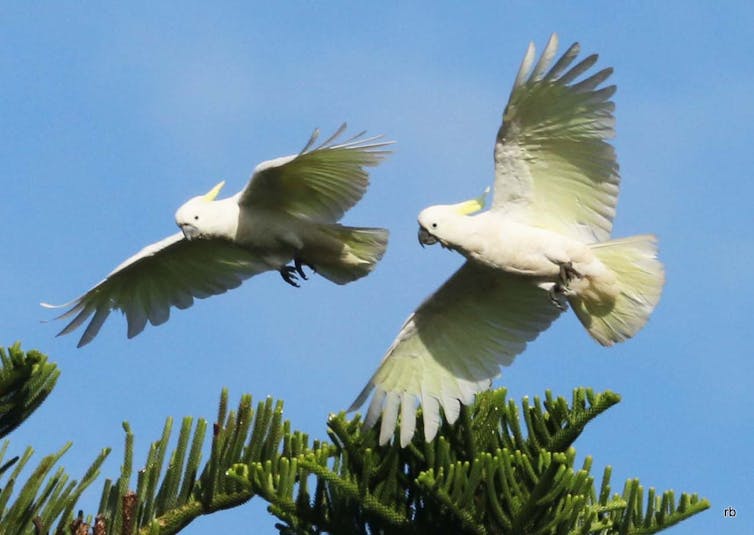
column 566, row 275
column 298, row 265
column 561, row 288
column 557, row 297
column 289, row 274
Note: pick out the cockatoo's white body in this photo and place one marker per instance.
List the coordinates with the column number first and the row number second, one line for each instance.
column 501, row 242
column 288, row 212
column 544, row 242
column 276, row 238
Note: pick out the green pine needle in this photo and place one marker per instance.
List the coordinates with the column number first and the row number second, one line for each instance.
column 502, row 468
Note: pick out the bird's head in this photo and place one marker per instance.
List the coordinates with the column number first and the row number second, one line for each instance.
column 196, row 217
column 439, row 223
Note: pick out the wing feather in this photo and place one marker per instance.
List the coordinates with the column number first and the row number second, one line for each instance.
column 389, row 415
column 553, row 165
column 320, row 183
column 578, row 69
column 545, row 59
column 83, row 314
column 564, row 61
column 375, row 408
column 171, row 272
column 95, row 325
column 451, row 347
column 408, row 418
column 523, row 70
column 430, row 413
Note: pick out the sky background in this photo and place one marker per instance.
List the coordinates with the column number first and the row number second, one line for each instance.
column 111, row 117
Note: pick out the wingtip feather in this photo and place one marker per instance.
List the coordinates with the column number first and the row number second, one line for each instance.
column 362, row 397
column 389, row 417
column 408, row 418
column 545, row 59
column 526, row 63
column 430, row 417
column 312, row 140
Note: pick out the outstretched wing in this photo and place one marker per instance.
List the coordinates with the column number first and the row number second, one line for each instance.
column 452, row 346
column 319, row 183
column 168, row 273
column 553, row 165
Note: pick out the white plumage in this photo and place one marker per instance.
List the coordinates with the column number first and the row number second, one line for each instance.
column 544, row 242
column 287, row 213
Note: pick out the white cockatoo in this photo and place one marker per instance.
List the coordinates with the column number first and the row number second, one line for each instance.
column 286, row 213
column 544, row 242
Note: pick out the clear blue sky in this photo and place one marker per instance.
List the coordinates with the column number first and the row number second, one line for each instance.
column 111, row 117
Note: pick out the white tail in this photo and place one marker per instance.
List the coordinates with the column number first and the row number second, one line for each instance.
column 639, row 277
column 358, row 251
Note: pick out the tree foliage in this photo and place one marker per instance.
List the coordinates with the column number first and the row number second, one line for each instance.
column 500, row 469
column 26, row 379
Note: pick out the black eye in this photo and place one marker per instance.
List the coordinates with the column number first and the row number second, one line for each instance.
column 434, row 225
column 196, row 218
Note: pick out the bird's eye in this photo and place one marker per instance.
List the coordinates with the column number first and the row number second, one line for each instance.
column 196, row 218
column 434, row 225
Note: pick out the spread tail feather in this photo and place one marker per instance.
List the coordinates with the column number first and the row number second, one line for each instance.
column 639, row 277
column 359, row 250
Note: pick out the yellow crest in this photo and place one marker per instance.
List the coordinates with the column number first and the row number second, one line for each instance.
column 474, row 205
column 212, row 194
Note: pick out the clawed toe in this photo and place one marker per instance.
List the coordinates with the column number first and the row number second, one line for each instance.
column 567, row 274
column 557, row 297
column 560, row 289
column 289, row 275
column 298, row 265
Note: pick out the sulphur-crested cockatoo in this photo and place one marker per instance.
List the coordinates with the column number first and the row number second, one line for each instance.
column 287, row 213
column 544, row 242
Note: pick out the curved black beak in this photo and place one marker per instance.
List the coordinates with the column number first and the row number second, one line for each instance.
column 425, row 238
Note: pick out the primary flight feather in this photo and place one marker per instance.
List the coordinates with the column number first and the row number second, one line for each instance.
column 287, row 214
column 545, row 242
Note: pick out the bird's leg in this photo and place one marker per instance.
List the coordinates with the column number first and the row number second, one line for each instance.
column 289, row 275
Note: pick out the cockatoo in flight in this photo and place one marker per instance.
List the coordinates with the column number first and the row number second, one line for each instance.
column 287, row 213
column 544, row 242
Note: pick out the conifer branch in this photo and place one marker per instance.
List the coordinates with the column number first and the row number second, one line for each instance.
column 48, row 494
column 26, row 379
column 501, row 468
